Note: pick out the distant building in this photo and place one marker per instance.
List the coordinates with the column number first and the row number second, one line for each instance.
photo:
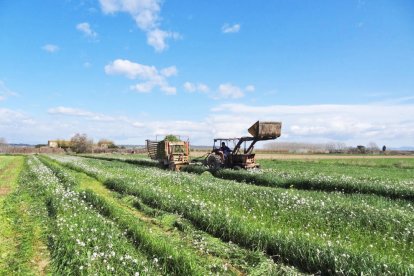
column 58, row 144
column 53, row 144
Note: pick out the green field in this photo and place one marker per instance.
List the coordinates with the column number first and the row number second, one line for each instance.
column 77, row 215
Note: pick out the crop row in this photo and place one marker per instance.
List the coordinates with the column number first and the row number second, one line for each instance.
column 283, row 177
column 180, row 253
column 316, row 231
column 399, row 189
column 82, row 242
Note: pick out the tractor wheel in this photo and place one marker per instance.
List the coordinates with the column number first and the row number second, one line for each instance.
column 214, row 162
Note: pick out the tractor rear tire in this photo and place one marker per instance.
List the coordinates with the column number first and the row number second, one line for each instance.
column 214, row 162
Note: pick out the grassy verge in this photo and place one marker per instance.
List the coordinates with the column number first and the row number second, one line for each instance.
column 23, row 247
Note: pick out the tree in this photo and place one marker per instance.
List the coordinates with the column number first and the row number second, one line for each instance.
column 373, row 147
column 80, row 143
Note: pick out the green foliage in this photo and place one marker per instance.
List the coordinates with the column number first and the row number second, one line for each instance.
column 171, row 138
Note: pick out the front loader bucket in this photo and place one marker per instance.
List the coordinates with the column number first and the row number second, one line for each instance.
column 265, row 130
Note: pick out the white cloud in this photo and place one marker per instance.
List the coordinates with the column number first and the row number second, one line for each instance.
column 227, row 90
column 226, row 28
column 189, row 87
column 169, row 71
column 51, row 48
column 85, row 28
column 146, row 14
column 157, row 38
column 250, row 88
column 12, row 119
column 169, row 90
column 68, row 111
column 354, row 124
column 196, row 87
column 5, row 92
column 150, row 75
column 392, row 125
column 203, row 88
column 145, row 87
column 131, row 70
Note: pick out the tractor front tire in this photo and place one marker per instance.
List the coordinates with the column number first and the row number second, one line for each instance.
column 214, row 162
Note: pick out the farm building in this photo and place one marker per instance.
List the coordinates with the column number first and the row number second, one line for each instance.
column 52, row 144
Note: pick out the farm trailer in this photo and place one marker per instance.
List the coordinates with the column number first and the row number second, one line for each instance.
column 170, row 154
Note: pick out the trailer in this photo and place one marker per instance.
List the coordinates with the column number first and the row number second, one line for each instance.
column 171, row 153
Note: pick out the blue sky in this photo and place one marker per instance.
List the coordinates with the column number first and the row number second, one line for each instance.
column 130, row 69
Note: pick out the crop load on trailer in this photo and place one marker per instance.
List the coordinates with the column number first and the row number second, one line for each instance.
column 171, row 152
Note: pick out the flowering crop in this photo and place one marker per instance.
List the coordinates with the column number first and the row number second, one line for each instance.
column 403, row 189
column 82, row 241
column 329, row 232
column 391, row 182
column 180, row 252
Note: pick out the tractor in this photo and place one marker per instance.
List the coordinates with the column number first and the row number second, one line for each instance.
column 241, row 156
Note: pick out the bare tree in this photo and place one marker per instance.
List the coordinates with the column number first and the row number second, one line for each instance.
column 373, row 147
column 80, row 143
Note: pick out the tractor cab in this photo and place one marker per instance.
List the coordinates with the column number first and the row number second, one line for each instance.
column 236, row 156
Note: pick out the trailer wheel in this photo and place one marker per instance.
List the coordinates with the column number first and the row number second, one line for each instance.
column 214, row 162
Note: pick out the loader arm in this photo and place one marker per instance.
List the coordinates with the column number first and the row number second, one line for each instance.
column 241, row 141
column 251, row 146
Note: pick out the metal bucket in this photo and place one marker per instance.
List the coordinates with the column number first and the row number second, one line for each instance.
column 265, row 129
